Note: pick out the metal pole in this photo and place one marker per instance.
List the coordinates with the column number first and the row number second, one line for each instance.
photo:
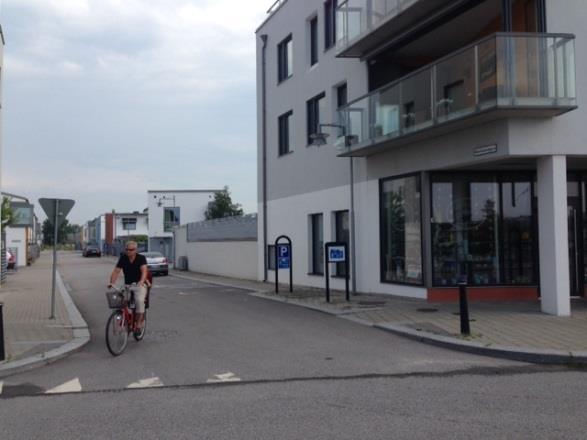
column 346, row 271
column 352, row 244
column 327, row 272
column 464, row 309
column 2, row 352
column 55, row 232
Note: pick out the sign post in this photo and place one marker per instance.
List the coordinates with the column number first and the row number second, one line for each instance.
column 283, row 260
column 56, row 210
column 336, row 252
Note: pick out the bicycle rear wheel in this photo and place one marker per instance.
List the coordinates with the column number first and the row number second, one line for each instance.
column 116, row 333
column 141, row 334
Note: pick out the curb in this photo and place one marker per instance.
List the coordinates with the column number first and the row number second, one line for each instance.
column 532, row 355
column 217, row 283
column 529, row 355
column 81, row 336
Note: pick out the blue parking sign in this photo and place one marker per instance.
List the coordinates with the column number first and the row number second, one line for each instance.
column 283, row 256
column 336, row 254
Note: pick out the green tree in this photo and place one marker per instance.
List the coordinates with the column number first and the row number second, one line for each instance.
column 64, row 229
column 222, row 206
column 7, row 212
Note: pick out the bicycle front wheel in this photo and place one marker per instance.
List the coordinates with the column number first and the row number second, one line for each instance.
column 116, row 333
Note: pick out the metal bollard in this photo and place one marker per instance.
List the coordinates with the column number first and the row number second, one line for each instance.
column 464, row 309
column 2, row 352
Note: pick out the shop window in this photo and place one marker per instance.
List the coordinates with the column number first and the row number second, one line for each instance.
column 401, row 230
column 482, row 230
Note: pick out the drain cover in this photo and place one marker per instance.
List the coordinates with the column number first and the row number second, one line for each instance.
column 371, row 303
column 427, row 310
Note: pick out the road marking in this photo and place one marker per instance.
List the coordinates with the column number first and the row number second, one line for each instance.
column 1, row 385
column 147, row 383
column 224, row 377
column 73, row 386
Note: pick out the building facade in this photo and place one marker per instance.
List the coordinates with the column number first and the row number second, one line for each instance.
column 457, row 151
column 170, row 208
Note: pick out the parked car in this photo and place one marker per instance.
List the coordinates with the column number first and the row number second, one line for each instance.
column 10, row 260
column 157, row 263
column 92, row 251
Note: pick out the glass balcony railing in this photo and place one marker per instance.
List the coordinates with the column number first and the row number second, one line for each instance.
column 530, row 74
column 356, row 18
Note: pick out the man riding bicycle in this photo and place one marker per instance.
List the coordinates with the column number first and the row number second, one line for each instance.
column 135, row 270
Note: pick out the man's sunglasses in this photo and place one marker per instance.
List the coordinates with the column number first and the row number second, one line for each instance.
column 131, row 249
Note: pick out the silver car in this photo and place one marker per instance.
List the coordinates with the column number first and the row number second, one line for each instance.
column 157, row 263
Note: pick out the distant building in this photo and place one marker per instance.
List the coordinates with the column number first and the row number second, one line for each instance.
column 170, row 208
column 23, row 236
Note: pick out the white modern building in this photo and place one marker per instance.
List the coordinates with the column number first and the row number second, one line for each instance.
column 170, row 208
column 456, row 144
column 23, row 236
column 126, row 224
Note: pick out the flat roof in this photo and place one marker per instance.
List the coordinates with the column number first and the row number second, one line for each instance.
column 182, row 190
column 276, row 6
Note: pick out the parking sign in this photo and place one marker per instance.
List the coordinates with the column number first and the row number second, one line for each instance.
column 283, row 256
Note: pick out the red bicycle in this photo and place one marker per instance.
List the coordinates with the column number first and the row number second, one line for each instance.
column 121, row 321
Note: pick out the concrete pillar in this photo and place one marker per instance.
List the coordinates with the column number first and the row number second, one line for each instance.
column 553, row 235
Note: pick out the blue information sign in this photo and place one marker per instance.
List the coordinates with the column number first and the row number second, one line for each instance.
column 336, row 254
column 283, row 256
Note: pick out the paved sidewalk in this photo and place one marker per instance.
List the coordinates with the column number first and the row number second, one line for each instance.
column 30, row 337
column 514, row 330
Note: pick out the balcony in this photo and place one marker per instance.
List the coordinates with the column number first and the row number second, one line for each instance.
column 501, row 76
column 362, row 25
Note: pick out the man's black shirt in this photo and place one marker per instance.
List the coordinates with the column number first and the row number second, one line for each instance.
column 132, row 271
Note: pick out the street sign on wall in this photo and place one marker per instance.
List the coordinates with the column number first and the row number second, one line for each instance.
column 283, row 256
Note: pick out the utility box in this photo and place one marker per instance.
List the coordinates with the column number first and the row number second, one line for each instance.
column 182, row 263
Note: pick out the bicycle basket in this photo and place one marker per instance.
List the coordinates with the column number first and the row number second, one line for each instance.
column 115, row 300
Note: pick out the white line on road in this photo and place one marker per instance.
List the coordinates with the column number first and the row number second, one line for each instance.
column 147, row 383
column 72, row 386
column 224, row 377
column 1, row 385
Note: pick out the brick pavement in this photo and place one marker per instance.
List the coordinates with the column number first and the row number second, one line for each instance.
column 26, row 295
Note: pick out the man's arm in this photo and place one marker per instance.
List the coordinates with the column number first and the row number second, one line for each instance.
column 114, row 276
column 143, row 275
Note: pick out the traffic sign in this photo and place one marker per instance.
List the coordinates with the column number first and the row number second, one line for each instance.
column 336, row 254
column 62, row 206
column 283, row 256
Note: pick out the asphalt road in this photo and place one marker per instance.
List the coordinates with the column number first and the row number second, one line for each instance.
column 217, row 363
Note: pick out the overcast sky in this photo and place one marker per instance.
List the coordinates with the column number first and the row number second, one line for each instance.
column 105, row 99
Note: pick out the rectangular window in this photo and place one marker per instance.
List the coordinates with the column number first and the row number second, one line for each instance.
column 329, row 23
column 315, row 108
column 482, row 229
column 285, row 59
column 170, row 218
column 313, row 41
column 317, row 244
column 341, row 95
column 341, row 222
column 129, row 224
column 401, row 230
column 284, row 133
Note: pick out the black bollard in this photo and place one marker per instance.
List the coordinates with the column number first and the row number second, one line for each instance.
column 2, row 352
column 464, row 309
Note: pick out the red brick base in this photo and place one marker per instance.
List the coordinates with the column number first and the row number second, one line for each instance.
column 506, row 293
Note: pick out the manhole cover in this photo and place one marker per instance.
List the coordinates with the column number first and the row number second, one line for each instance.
column 425, row 310
column 371, row 303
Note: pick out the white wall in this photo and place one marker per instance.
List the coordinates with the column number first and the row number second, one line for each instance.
column 236, row 259
column 16, row 238
column 192, row 206
column 142, row 225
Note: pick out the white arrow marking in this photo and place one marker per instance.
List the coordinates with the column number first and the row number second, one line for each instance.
column 73, row 386
column 147, row 383
column 224, row 377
